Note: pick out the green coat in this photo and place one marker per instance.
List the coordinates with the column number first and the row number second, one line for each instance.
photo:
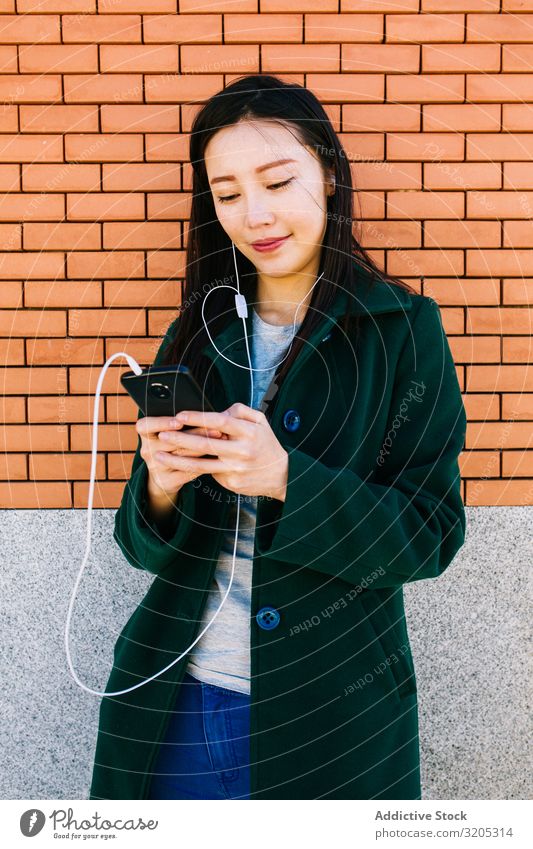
column 373, row 501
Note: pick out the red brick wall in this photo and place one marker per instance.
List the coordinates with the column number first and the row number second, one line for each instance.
column 430, row 98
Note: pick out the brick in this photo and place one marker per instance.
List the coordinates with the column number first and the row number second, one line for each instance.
column 475, row 349
column 426, row 87
column 265, row 29
column 141, row 293
column 63, row 293
column 482, row 407
column 423, row 146
column 183, row 29
column 58, row 58
column 412, row 204
column 518, row 291
column 141, row 177
column 11, row 236
column 517, row 175
column 516, row 349
column 58, row 119
column 505, row 378
column 121, row 29
column 425, row 28
column 26, row 29
column 144, row 58
column 11, row 352
column 106, row 6
column 59, row 352
column 32, row 323
column 100, row 265
column 27, row 207
column 518, row 406
column 31, row 6
column 343, row 28
column 517, row 57
column 23, row 88
column 75, row 237
column 143, row 118
column 51, row 409
column 115, row 322
column 168, row 205
column 499, row 262
column 517, row 117
column 499, row 320
column 461, row 117
column 9, row 118
column 219, row 59
column 300, row 57
column 390, row 234
column 499, row 205
column 481, row 291
column 386, row 58
column 517, row 464
column 461, row 57
column 31, row 381
column 470, row 175
column 11, row 294
column 166, row 264
column 462, row 234
column 344, row 88
column 19, row 495
column 363, row 146
column 460, row 5
column 517, row 234
column 172, row 88
column 29, row 148
column 425, row 262
column 32, row 265
column 61, row 178
column 499, row 28
column 8, row 59
column 498, row 434
column 147, row 234
column 103, row 88
column 498, row 88
column 375, row 117
column 65, row 467
column 104, row 147
column 169, row 147
column 103, row 206
column 389, row 175
column 9, row 178
column 13, row 467
column 477, row 464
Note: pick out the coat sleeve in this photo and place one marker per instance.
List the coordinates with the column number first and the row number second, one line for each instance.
column 410, row 524
column 146, row 544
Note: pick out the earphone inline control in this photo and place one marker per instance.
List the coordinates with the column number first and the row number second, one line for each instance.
column 242, row 311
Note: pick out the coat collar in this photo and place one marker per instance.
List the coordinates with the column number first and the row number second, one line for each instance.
column 381, row 298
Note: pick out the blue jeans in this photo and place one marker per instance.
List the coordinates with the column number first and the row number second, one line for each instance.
column 205, row 751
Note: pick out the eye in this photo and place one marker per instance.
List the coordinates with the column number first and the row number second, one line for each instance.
column 272, row 186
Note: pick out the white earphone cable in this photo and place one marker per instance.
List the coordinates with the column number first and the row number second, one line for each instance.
column 242, row 310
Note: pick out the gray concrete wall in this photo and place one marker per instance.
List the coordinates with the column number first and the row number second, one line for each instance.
column 468, row 629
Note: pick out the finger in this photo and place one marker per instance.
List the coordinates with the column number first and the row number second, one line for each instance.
column 200, row 465
column 224, row 422
column 243, row 411
column 198, row 444
column 152, row 425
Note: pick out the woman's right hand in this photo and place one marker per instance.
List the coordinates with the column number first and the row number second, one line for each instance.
column 162, row 480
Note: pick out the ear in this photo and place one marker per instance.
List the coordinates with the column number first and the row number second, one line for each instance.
column 331, row 181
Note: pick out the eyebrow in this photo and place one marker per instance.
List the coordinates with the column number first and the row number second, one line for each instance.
column 258, row 170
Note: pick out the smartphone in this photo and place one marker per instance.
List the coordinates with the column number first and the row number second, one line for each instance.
column 165, row 391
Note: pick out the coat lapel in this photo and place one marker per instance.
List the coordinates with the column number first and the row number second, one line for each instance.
column 235, row 379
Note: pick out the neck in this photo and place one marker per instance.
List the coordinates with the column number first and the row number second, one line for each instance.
column 278, row 300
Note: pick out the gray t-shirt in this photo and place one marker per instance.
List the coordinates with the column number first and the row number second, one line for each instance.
column 222, row 655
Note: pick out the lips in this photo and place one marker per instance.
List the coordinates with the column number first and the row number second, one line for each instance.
column 269, row 244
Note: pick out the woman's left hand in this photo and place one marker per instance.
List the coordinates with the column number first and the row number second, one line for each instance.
column 249, row 458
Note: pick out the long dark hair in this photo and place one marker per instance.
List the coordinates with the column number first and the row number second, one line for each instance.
column 209, row 257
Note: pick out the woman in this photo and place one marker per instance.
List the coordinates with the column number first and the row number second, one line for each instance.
column 346, row 461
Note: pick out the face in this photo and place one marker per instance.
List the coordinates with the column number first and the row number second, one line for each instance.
column 254, row 203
